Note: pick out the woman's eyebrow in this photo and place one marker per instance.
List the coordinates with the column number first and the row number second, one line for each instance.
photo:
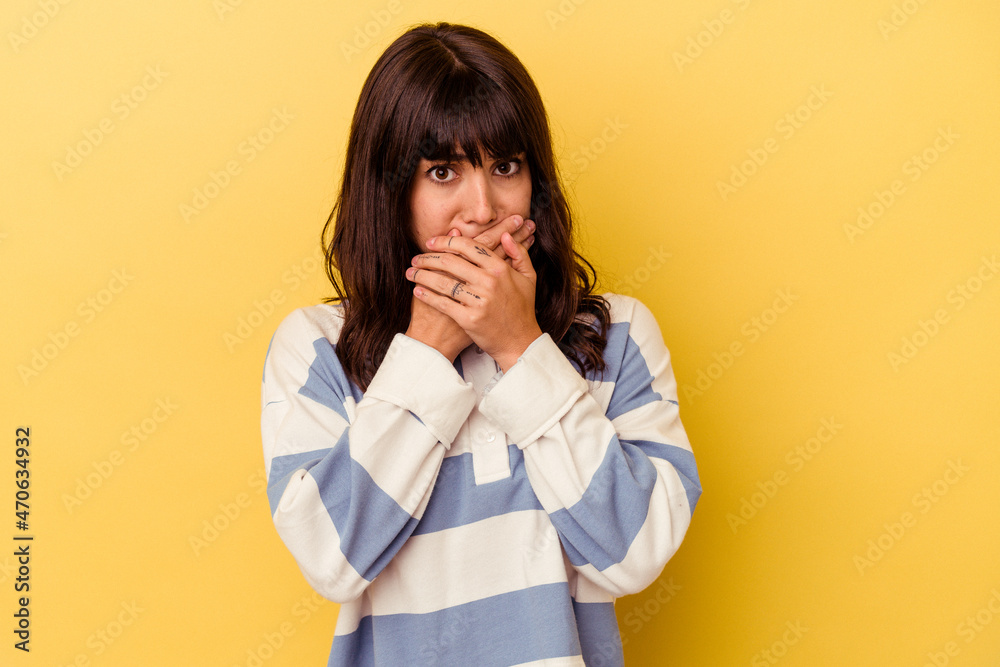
column 447, row 157
column 462, row 157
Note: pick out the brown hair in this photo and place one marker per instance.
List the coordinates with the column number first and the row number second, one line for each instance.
column 434, row 88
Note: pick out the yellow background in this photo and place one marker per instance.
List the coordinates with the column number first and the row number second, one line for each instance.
column 645, row 137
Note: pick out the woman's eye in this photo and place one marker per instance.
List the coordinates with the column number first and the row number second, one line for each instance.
column 441, row 173
column 508, row 168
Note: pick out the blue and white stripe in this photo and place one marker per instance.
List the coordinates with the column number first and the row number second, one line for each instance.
column 463, row 519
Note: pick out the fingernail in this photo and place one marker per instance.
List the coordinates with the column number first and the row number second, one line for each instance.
column 518, row 222
column 530, row 225
column 430, row 242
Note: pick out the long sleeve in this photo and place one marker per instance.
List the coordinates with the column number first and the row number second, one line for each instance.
column 607, row 457
column 349, row 475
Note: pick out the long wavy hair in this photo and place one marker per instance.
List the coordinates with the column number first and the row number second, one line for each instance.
column 434, row 88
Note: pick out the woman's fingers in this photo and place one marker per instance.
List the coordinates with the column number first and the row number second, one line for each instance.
column 460, row 260
column 445, row 250
column 475, row 249
column 518, row 254
column 525, row 236
column 443, row 284
column 522, row 231
column 438, row 302
column 525, row 233
column 491, row 237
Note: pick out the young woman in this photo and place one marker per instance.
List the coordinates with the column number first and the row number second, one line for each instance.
column 468, row 448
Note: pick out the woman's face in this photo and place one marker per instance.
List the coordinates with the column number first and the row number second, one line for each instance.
column 452, row 194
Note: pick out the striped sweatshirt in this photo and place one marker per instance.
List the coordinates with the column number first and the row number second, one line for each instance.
column 465, row 516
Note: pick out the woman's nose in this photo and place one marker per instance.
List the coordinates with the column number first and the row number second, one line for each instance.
column 479, row 205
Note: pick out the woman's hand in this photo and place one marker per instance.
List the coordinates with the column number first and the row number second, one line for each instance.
column 432, row 327
column 491, row 300
column 522, row 233
column 437, row 330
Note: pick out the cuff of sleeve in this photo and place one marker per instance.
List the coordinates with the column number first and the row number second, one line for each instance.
column 535, row 393
column 416, row 377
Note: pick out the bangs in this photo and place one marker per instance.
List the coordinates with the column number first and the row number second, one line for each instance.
column 470, row 113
